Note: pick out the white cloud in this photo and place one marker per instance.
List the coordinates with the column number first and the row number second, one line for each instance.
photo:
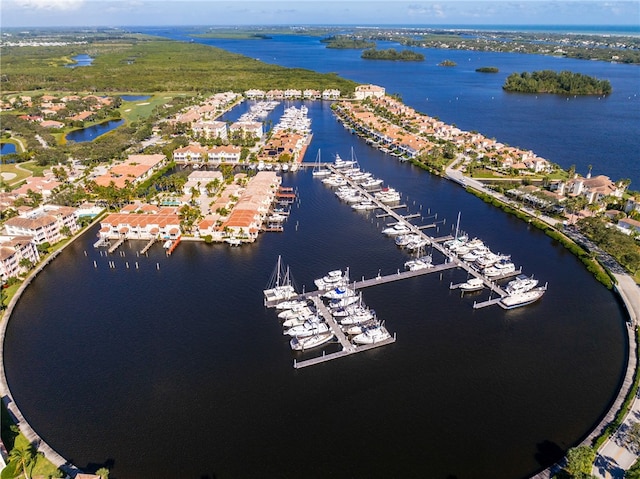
column 51, row 4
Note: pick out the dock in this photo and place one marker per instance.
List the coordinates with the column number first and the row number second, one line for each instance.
column 116, row 245
column 147, row 246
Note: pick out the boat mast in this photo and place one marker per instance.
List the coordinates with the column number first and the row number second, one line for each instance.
column 457, row 226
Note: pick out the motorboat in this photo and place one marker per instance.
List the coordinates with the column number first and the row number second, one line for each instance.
column 501, row 268
column 342, row 302
column 298, row 311
column 396, row 229
column 361, row 316
column 405, row 239
column 371, row 183
column 521, row 299
column 346, row 310
column 331, row 280
column 364, row 205
column 372, row 335
column 361, row 327
column 472, row 284
column 419, row 263
column 308, row 328
column 339, row 292
column 521, row 284
column 309, row 342
column 290, row 304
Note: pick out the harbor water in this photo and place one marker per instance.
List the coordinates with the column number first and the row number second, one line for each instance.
column 171, row 367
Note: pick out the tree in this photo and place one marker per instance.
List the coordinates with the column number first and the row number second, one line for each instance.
column 23, row 455
column 103, row 472
column 633, row 436
column 65, row 231
column 580, row 461
column 25, row 263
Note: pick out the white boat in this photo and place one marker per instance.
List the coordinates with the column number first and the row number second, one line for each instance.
column 295, row 312
column 387, row 195
column 339, row 292
column 364, row 205
column 361, row 328
column 419, row 263
column 308, row 342
column 346, row 311
column 332, row 280
column 417, row 244
column 318, row 170
column 521, row 284
column 371, row 336
column 361, row 316
column 371, row 183
column 280, row 286
column 290, row 304
column 405, row 239
column 521, row 299
column 501, row 268
column 472, row 284
column 396, row 229
column 341, row 163
column 342, row 302
column 308, row 328
column 298, row 320
column 490, row 259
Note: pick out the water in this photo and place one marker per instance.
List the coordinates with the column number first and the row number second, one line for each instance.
column 6, row 148
column 135, row 97
column 181, row 372
column 92, row 132
column 580, row 131
column 82, row 60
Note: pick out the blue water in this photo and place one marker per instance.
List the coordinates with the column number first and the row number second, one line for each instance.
column 92, row 132
column 82, row 60
column 579, row 131
column 134, row 97
column 177, row 370
column 6, row 148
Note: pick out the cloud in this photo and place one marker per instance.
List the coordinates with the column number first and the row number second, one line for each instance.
column 51, row 4
column 427, row 10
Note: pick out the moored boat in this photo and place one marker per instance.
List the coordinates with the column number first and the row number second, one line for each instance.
column 331, row 280
column 308, row 342
column 372, row 335
column 472, row 284
column 521, row 299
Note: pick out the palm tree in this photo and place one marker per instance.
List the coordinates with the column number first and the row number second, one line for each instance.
column 23, row 456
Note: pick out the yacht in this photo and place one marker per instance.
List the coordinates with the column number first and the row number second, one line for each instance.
column 361, row 327
column 301, row 319
column 396, row 229
column 342, row 302
column 372, row 335
column 295, row 312
column 308, row 328
column 521, row 299
column 521, row 284
column 472, row 284
column 308, row 342
column 331, row 280
column 371, row 183
column 417, row 264
column 501, row 268
column 290, row 304
column 361, row 316
column 364, row 205
column 339, row 292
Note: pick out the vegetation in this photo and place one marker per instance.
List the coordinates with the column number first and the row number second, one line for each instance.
column 140, row 63
column 487, row 70
column 548, row 81
column 580, row 462
column 619, row 245
column 347, row 42
column 24, row 461
column 392, row 54
column 447, row 63
column 633, row 472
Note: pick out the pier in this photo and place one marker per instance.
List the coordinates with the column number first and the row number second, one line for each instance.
column 147, row 246
column 117, row 245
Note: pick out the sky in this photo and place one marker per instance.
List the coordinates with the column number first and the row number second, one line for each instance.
column 114, row 13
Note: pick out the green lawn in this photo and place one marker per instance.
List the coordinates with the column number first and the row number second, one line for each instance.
column 21, row 175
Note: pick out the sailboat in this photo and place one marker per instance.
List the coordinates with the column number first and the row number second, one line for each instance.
column 318, row 170
column 280, row 287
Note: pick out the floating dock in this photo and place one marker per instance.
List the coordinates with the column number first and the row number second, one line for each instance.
column 116, row 245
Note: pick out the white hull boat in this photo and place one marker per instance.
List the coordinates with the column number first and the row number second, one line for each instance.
column 521, row 299
column 371, row 336
column 331, row 280
column 521, row 284
column 472, row 284
column 308, row 328
column 308, row 342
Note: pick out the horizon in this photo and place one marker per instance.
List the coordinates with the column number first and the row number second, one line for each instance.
column 222, row 13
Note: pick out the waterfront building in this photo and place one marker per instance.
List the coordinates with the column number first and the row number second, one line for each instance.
column 192, row 153
column 224, row 153
column 44, row 223
column 331, row 94
column 210, row 129
column 311, row 94
column 629, row 225
column 292, row 94
column 368, row 91
column 254, row 94
column 200, row 179
column 13, row 249
column 247, row 127
column 162, row 225
column 594, row 189
column 135, row 169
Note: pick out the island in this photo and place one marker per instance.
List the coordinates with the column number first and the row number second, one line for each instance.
column 447, row 63
column 392, row 54
column 346, row 42
column 487, row 70
column 563, row 83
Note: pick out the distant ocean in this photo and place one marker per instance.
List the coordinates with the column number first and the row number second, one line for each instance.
column 585, row 29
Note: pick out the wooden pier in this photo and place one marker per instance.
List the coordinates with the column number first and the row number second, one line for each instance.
column 148, row 246
column 400, row 275
column 116, row 245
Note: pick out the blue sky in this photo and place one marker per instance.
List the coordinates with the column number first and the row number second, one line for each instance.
column 25, row 13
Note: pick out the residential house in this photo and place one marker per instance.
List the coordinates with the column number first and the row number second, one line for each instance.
column 368, row 91
column 13, row 249
column 44, row 223
column 135, row 169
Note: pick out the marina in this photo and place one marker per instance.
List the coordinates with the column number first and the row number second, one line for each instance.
column 311, row 321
